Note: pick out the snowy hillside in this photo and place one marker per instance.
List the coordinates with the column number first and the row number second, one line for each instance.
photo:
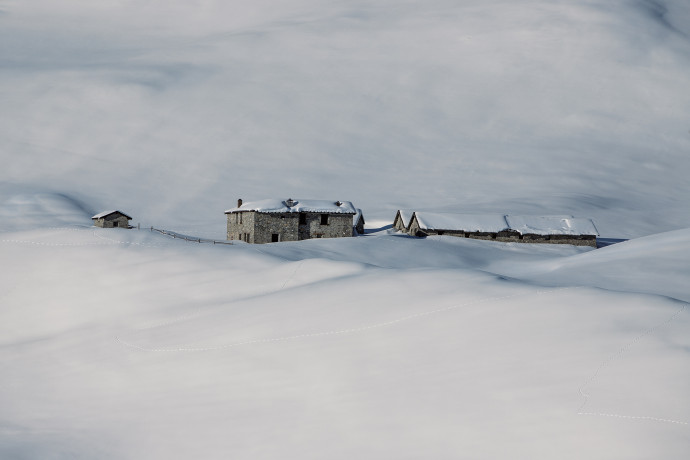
column 174, row 110
column 122, row 343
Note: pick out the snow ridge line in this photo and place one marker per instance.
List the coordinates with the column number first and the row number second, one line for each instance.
column 607, row 362
column 114, row 241
column 107, row 241
column 41, row 243
column 341, row 331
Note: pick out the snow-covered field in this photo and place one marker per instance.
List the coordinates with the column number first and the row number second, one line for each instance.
column 129, row 344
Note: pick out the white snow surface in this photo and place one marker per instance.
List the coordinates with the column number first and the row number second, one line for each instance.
column 551, row 225
column 107, row 213
column 120, row 343
column 273, row 205
column 467, row 222
column 493, row 223
column 136, row 345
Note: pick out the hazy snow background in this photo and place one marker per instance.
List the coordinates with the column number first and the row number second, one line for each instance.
column 127, row 344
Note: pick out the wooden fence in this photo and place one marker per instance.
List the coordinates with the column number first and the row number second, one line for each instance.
column 192, row 239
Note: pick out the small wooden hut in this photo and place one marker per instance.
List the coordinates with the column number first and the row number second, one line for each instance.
column 111, row 219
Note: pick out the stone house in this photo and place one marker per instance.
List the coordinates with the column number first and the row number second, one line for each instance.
column 401, row 221
column 111, row 219
column 272, row 221
column 520, row 229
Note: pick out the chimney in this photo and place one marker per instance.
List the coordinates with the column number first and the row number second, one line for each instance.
column 290, row 202
column 239, row 203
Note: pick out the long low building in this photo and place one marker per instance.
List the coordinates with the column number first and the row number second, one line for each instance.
column 507, row 228
column 272, row 221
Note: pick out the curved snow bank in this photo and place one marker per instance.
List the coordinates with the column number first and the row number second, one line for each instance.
column 655, row 264
column 39, row 210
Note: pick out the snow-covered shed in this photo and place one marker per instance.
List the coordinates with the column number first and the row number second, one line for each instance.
column 401, row 221
column 555, row 229
column 274, row 220
column 524, row 229
column 482, row 226
column 111, row 219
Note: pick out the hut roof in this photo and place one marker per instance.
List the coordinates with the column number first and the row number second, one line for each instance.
column 488, row 223
column 494, row 223
column 280, row 206
column 552, row 225
column 107, row 213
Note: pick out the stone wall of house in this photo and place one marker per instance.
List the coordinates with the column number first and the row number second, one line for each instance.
column 241, row 226
column 576, row 240
column 509, row 236
column 260, row 228
column 281, row 225
column 338, row 226
column 112, row 221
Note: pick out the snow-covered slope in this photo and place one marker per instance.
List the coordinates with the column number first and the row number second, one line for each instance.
column 130, row 344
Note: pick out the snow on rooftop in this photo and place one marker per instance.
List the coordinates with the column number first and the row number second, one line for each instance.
column 552, row 225
column 289, row 205
column 494, row 223
column 107, row 213
column 490, row 223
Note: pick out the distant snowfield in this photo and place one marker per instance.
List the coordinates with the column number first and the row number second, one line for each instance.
column 174, row 110
column 129, row 344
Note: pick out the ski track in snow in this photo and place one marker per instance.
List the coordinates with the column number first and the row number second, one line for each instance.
column 331, row 332
column 607, row 362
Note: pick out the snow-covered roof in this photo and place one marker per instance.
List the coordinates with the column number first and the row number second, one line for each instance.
column 276, row 205
column 552, row 225
column 488, row 223
column 357, row 216
column 107, row 213
column 494, row 223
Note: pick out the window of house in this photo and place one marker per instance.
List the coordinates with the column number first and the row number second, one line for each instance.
column 324, row 219
column 302, row 218
column 115, row 223
column 275, row 237
column 240, row 217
